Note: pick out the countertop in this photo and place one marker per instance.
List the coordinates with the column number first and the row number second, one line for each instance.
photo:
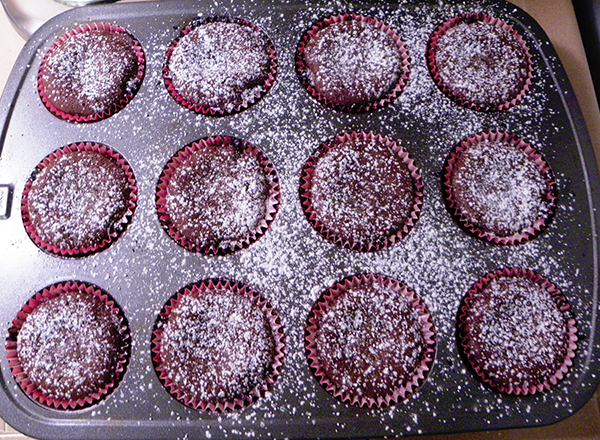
column 558, row 19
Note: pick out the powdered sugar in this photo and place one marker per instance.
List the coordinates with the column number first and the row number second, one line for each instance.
column 481, row 62
column 216, row 346
column 517, row 334
column 78, row 199
column 498, row 187
column 220, row 65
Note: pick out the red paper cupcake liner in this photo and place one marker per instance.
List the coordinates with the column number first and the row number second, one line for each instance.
column 116, row 106
column 392, row 397
column 562, row 304
column 270, row 80
column 116, row 229
column 323, row 230
column 271, row 374
column 179, row 158
column 544, row 168
column 30, row 388
column 358, row 108
column 472, row 17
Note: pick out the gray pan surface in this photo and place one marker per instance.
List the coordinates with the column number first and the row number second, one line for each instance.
column 292, row 265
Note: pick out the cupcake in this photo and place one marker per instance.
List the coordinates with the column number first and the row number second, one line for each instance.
column 79, row 200
column 480, row 62
column 217, row 195
column 517, row 331
column 370, row 341
column 499, row 187
column 352, row 63
column 91, row 72
column 220, row 66
column 69, row 346
column 361, row 191
column 218, row 346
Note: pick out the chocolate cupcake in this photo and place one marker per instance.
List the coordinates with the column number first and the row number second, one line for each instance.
column 517, row 331
column 361, row 191
column 218, row 346
column 353, row 63
column 499, row 187
column 69, row 346
column 220, row 66
column 91, row 72
column 217, row 195
column 370, row 341
column 480, row 62
column 79, row 200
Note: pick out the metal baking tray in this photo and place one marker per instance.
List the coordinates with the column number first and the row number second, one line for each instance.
column 291, row 265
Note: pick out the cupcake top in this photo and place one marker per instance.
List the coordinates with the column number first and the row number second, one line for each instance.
column 68, row 346
column 79, row 199
column 370, row 341
column 499, row 187
column 517, row 331
column 480, row 62
column 91, row 72
column 361, row 191
column 352, row 62
column 218, row 195
column 220, row 66
column 218, row 346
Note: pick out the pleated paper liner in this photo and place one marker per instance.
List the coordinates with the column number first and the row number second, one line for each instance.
column 333, row 91
column 77, row 219
column 370, row 341
column 218, row 346
column 480, row 86
column 509, row 201
column 240, row 77
column 517, row 331
column 356, row 222
column 81, row 358
column 99, row 87
column 194, row 227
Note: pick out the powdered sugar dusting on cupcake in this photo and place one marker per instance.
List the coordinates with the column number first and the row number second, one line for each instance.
column 498, row 187
column 481, row 62
column 517, row 334
column 220, row 65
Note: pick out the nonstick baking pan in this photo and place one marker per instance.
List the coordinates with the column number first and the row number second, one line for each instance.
column 292, row 264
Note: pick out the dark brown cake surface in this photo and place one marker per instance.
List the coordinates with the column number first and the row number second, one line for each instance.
column 515, row 333
column 77, row 200
column 70, row 346
column 498, row 187
column 370, row 341
column 219, row 66
column 352, row 62
column 91, row 72
column 360, row 190
column 216, row 346
column 481, row 63
column 218, row 195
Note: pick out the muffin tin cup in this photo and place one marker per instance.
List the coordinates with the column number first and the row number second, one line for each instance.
column 325, row 231
column 115, row 230
column 271, row 374
column 426, row 358
column 304, row 75
column 471, row 17
column 233, row 245
column 268, row 83
column 25, row 383
column 117, row 106
column 570, row 331
column 549, row 197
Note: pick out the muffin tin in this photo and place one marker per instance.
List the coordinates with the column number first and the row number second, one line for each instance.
column 292, row 264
